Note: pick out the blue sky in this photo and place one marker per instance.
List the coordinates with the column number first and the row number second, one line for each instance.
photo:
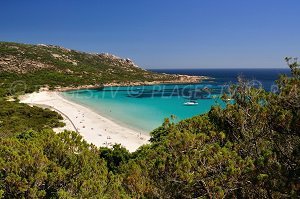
column 162, row 33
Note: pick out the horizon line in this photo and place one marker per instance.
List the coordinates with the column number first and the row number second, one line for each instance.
column 190, row 68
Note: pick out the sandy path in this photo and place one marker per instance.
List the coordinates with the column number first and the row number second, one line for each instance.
column 94, row 128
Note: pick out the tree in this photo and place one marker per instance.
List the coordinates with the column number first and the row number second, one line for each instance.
column 115, row 157
column 45, row 165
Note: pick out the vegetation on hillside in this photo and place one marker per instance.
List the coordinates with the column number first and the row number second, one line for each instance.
column 16, row 117
column 250, row 149
column 25, row 67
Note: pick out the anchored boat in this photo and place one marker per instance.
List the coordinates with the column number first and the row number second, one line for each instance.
column 191, row 103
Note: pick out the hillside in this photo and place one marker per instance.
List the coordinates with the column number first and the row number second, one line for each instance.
column 55, row 66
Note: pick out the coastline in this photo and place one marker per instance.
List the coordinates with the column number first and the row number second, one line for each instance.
column 120, row 123
column 181, row 79
column 93, row 127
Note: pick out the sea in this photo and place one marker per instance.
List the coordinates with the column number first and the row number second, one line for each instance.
column 144, row 108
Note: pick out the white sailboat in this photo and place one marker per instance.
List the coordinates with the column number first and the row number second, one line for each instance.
column 191, row 103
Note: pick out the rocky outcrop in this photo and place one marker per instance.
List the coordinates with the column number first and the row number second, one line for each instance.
column 19, row 65
column 115, row 60
column 65, row 58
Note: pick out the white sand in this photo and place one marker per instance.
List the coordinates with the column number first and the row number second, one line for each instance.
column 94, row 128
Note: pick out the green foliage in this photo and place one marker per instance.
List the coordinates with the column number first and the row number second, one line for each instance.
column 115, row 157
column 16, row 117
column 186, row 165
column 265, row 126
column 47, row 165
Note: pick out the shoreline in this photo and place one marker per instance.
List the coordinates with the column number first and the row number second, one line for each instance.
column 120, row 123
column 93, row 127
column 183, row 79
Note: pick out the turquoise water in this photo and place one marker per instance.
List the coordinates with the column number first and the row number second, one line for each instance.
column 145, row 107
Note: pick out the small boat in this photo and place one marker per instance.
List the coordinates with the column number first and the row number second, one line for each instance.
column 228, row 99
column 191, row 103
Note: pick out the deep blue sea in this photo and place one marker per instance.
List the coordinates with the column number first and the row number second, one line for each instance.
column 266, row 76
column 145, row 107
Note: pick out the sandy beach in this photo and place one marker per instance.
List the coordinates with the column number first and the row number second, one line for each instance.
column 94, row 128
